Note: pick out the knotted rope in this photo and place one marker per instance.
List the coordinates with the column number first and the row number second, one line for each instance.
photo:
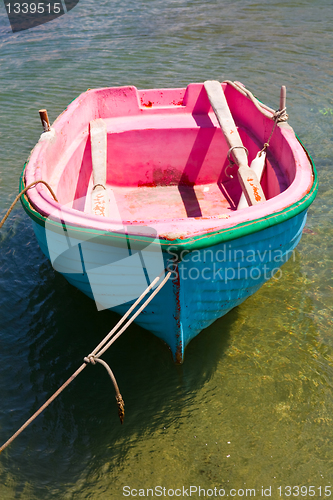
column 94, row 357
column 279, row 116
column 33, row 184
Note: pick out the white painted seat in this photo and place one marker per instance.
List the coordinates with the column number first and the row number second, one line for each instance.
column 99, row 195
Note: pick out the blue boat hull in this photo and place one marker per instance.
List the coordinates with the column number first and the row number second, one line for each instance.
column 205, row 284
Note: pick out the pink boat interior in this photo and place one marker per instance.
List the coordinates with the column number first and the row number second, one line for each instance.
column 167, row 157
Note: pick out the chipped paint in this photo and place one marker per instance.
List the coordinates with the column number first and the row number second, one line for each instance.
column 255, row 189
column 99, row 204
column 174, row 235
column 178, row 355
column 148, row 104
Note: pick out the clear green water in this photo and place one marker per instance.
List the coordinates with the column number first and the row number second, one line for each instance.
column 252, row 404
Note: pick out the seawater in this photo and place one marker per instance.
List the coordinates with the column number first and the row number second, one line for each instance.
column 252, row 405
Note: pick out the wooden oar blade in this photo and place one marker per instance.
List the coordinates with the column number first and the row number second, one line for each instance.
column 250, row 186
column 257, row 166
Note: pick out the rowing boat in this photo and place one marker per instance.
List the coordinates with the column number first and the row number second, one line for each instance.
column 205, row 181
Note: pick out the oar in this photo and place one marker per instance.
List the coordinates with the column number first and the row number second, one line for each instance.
column 99, row 195
column 248, row 179
column 257, row 165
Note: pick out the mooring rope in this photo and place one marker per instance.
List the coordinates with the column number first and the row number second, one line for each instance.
column 33, row 184
column 120, row 402
column 94, row 357
column 279, row 116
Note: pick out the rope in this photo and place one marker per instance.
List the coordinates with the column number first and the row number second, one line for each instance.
column 94, row 357
column 120, row 402
column 259, row 105
column 279, row 116
column 263, row 108
column 23, row 192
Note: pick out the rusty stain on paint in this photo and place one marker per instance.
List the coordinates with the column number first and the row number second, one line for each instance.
column 148, row 104
column 178, row 353
column 99, row 210
column 176, row 290
column 99, row 205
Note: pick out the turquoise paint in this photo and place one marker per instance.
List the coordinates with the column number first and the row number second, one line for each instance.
column 205, row 284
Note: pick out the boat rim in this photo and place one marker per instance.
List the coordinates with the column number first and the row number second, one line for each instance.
column 195, row 242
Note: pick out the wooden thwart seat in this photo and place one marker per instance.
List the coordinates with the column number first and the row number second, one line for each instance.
column 99, row 195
